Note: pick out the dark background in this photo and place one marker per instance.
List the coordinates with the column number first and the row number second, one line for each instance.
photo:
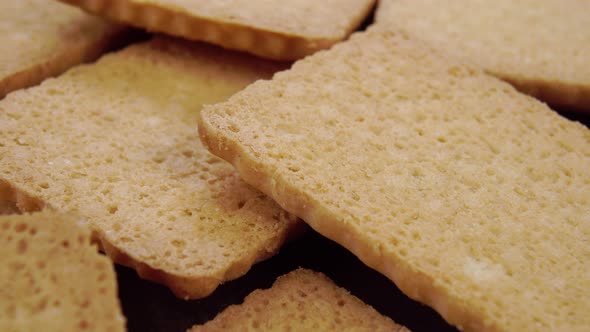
column 151, row 307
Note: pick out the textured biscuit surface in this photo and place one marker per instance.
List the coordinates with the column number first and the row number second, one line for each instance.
column 542, row 47
column 268, row 28
column 302, row 300
column 53, row 279
column 472, row 197
column 117, row 142
column 39, row 39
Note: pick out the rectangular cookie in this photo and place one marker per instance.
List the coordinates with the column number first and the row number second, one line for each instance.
column 472, row 197
column 40, row 39
column 302, row 300
column 53, row 279
column 116, row 142
column 270, row 29
column 541, row 47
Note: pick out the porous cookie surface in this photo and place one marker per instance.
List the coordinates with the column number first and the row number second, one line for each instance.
column 117, row 143
column 53, row 279
column 39, row 39
column 302, row 300
column 542, row 47
column 268, row 28
column 472, row 197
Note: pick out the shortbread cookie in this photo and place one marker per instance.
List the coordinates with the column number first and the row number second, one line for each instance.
column 268, row 28
column 40, row 39
column 116, row 142
column 472, row 197
column 53, row 279
column 541, row 47
column 302, row 300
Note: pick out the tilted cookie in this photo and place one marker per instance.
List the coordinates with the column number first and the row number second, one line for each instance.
column 472, row 197
column 268, row 28
column 541, row 47
column 40, row 39
column 53, row 279
column 302, row 300
column 116, row 142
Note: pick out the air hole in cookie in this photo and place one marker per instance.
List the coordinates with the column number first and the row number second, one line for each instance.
column 22, row 246
column 83, row 325
column 113, row 209
column 301, row 293
column 158, row 159
column 234, row 128
column 178, row 243
column 42, row 304
column 19, row 228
